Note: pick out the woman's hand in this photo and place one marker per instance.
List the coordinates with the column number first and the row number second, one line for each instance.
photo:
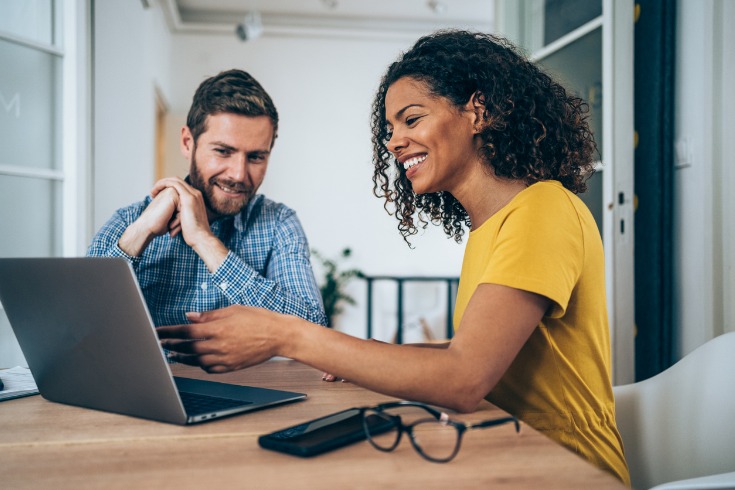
column 225, row 340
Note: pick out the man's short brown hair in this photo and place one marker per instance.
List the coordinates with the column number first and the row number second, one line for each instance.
column 231, row 91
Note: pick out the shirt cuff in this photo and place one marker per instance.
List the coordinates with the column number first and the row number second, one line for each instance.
column 116, row 251
column 232, row 276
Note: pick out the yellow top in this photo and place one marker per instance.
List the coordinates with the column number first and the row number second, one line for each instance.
column 545, row 241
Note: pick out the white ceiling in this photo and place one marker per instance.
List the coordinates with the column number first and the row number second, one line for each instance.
column 393, row 18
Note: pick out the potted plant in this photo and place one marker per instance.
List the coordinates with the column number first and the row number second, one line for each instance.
column 332, row 288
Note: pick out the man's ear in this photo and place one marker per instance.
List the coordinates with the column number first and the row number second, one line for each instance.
column 476, row 105
column 187, row 143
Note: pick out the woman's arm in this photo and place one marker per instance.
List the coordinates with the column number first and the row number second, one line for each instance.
column 497, row 322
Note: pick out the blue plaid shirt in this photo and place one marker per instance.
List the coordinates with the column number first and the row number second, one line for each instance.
column 267, row 265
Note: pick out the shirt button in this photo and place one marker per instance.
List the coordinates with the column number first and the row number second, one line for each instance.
column 204, row 286
column 224, row 285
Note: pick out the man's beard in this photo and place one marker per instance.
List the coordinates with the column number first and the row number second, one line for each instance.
column 219, row 206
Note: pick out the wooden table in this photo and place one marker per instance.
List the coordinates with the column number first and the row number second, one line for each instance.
column 49, row 445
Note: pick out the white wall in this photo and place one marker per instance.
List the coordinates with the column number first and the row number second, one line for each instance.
column 321, row 163
column 704, row 180
column 131, row 58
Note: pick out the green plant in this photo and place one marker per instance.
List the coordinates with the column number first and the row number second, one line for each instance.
column 332, row 288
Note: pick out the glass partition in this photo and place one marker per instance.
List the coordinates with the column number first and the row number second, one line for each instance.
column 29, row 107
column 28, row 19
column 563, row 16
column 579, row 68
column 30, row 220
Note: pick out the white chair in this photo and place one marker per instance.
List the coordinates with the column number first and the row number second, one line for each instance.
column 678, row 427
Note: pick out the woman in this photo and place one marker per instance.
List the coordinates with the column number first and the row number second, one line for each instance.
column 467, row 132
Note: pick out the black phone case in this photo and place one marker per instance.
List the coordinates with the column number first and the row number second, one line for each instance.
column 293, row 440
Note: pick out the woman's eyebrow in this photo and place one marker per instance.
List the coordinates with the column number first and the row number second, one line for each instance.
column 400, row 113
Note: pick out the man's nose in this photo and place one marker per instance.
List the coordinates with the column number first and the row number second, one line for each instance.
column 238, row 168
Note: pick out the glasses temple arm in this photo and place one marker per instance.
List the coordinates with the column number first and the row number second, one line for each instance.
column 436, row 413
column 494, row 422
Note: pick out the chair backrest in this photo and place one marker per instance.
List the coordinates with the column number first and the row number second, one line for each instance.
column 681, row 423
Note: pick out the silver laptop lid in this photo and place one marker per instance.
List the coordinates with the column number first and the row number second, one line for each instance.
column 85, row 331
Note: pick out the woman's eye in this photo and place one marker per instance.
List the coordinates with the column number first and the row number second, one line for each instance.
column 411, row 120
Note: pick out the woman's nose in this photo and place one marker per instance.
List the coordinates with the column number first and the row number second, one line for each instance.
column 396, row 142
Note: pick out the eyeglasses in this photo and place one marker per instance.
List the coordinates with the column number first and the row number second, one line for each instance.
column 433, row 435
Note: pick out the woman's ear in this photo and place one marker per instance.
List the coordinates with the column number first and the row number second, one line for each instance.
column 476, row 105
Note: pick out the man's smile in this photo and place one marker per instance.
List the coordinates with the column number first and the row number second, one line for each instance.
column 231, row 188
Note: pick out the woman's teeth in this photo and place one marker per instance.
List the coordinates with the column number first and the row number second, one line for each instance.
column 413, row 161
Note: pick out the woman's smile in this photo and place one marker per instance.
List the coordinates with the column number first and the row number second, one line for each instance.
column 413, row 164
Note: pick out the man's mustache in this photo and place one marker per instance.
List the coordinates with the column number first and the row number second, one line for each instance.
column 231, row 184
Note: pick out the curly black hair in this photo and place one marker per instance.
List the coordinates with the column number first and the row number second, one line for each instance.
column 533, row 128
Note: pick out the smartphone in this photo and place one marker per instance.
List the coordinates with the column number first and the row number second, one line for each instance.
column 321, row 435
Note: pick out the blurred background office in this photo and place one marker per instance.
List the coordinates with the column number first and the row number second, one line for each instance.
column 93, row 95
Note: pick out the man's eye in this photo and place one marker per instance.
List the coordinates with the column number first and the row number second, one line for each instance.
column 222, row 151
column 257, row 158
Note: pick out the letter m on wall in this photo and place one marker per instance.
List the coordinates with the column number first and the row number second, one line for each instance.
column 10, row 104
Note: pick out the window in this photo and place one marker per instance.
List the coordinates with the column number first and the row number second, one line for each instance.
column 30, row 165
column 41, row 145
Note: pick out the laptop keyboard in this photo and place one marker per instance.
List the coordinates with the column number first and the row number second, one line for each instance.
column 196, row 404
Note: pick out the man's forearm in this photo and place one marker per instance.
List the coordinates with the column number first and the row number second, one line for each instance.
column 106, row 241
column 212, row 252
column 134, row 240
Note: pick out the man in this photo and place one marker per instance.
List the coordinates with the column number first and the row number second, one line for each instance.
column 209, row 241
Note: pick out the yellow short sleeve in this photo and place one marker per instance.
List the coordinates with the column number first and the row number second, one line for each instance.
column 539, row 248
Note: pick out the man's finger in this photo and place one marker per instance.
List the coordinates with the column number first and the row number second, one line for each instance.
column 175, row 229
column 165, row 183
column 181, row 187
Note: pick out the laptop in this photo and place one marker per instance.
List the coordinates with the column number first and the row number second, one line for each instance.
column 86, row 333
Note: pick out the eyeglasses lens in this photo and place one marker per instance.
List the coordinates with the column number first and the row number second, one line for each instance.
column 436, row 439
column 383, row 426
column 382, row 429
